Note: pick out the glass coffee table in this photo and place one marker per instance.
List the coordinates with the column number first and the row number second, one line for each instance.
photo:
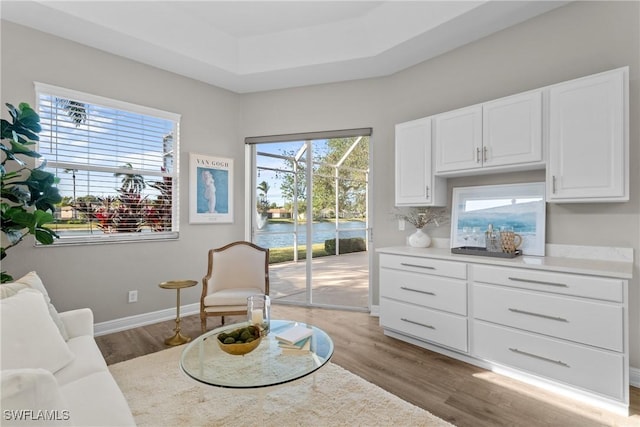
column 266, row 366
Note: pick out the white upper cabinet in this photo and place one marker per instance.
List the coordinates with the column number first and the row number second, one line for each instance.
column 415, row 183
column 458, row 136
column 512, row 130
column 588, row 139
column 505, row 133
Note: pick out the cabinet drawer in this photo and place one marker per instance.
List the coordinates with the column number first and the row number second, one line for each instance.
column 430, row 291
column 436, row 267
column 560, row 283
column 425, row 324
column 582, row 321
column 588, row 368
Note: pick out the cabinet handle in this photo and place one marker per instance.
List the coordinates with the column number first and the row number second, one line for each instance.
column 545, row 316
column 417, row 323
column 417, row 290
column 478, row 155
column 538, row 282
column 427, row 192
column 535, row 356
column 553, row 184
column 484, row 158
column 404, row 264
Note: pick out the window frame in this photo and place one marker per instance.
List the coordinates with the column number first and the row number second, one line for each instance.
column 102, row 238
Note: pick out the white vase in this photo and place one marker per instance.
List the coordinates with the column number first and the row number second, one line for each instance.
column 419, row 239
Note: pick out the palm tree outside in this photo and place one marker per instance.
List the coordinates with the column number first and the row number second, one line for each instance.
column 131, row 182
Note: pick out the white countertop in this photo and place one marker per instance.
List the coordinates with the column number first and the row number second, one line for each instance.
column 622, row 269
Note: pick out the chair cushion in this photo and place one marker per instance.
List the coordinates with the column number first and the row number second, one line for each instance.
column 30, row 339
column 237, row 296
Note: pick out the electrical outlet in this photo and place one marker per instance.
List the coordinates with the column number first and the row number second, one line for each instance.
column 133, row 296
column 401, row 224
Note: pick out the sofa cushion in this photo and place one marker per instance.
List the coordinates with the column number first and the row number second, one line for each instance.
column 33, row 281
column 31, row 397
column 96, row 400
column 30, row 339
column 88, row 360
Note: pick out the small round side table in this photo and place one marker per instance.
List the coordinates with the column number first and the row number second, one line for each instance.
column 177, row 338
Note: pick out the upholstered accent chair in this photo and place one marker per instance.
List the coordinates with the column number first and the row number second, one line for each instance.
column 236, row 271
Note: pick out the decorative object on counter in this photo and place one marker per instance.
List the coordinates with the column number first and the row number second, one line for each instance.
column 519, row 206
column 474, row 250
column 420, row 218
column 510, row 241
column 419, row 239
column 492, row 240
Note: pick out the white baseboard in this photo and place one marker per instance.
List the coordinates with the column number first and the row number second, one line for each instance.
column 634, row 377
column 124, row 323
column 375, row 311
column 130, row 322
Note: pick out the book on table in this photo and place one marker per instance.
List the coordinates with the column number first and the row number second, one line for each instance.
column 294, row 334
column 295, row 346
column 292, row 349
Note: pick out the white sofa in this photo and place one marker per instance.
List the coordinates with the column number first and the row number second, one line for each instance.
column 52, row 371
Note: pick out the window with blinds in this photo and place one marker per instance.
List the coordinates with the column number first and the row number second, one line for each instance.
column 116, row 163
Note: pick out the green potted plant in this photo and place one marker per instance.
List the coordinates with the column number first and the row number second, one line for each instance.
column 28, row 192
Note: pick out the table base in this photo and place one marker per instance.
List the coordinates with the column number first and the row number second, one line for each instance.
column 177, row 339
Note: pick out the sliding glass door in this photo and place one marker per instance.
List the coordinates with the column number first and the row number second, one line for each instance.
column 310, row 200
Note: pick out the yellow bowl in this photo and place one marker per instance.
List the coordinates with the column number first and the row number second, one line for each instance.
column 241, row 348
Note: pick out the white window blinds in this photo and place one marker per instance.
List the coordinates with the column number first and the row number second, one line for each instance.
column 116, row 163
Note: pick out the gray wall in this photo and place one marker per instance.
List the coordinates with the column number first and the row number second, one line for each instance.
column 576, row 40
column 99, row 276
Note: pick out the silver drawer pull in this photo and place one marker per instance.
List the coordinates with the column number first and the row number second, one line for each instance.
column 404, row 264
column 535, row 356
column 545, row 316
column 417, row 323
column 417, row 290
column 538, row 282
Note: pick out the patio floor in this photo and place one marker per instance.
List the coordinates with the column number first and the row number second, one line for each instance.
column 339, row 280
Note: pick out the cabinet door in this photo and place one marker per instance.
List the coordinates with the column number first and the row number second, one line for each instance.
column 413, row 163
column 458, row 139
column 588, row 142
column 512, row 130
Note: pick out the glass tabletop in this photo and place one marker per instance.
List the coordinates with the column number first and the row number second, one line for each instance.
column 267, row 365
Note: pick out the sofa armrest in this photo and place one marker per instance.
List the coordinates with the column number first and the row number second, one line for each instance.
column 78, row 322
column 25, row 392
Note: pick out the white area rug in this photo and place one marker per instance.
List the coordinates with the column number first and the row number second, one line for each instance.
column 159, row 394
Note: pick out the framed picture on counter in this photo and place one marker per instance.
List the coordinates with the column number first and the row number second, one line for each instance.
column 517, row 207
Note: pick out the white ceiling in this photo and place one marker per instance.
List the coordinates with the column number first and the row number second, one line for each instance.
column 249, row 46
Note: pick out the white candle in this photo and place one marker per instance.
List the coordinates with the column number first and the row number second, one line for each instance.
column 256, row 316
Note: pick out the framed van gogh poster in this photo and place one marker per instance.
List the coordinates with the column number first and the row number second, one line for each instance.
column 517, row 207
column 210, row 189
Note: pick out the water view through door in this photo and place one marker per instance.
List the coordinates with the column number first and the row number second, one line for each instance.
column 314, row 219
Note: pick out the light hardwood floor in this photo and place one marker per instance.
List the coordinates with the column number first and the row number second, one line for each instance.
column 460, row 393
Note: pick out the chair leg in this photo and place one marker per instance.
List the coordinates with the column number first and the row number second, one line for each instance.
column 203, row 323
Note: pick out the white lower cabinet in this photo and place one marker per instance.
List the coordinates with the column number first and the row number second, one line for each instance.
column 425, row 299
column 566, row 330
column 579, row 320
column 572, row 364
column 425, row 324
